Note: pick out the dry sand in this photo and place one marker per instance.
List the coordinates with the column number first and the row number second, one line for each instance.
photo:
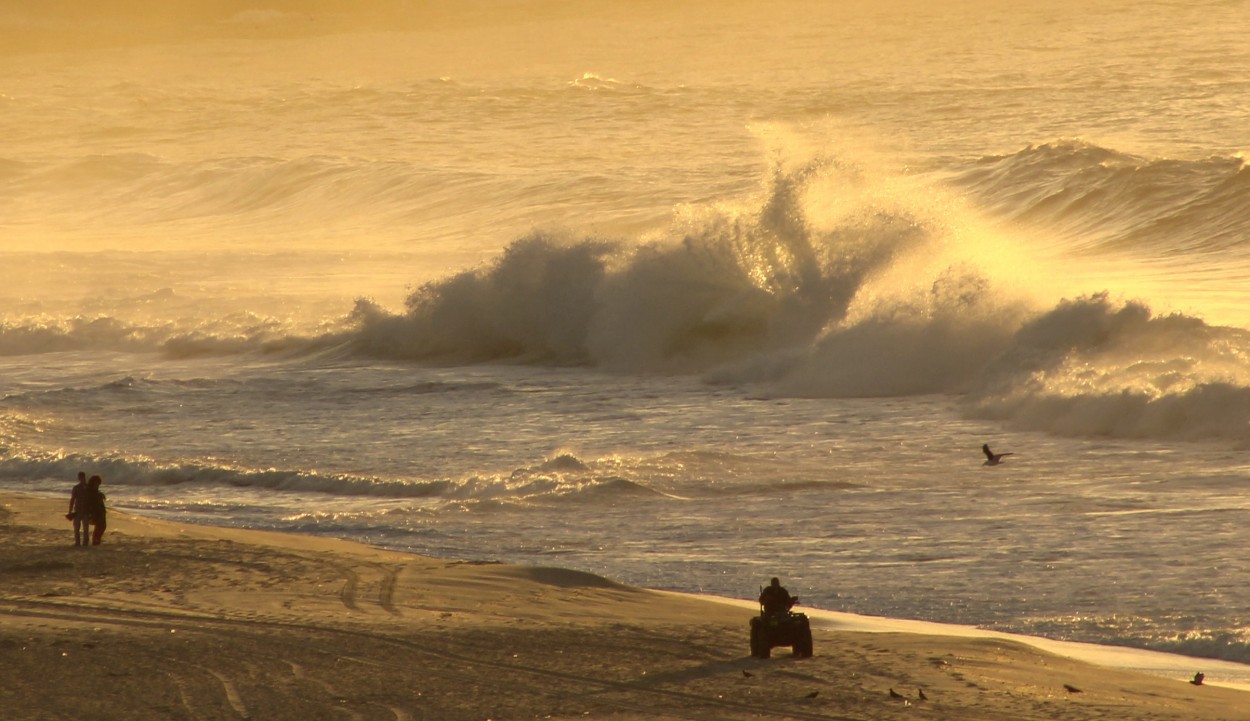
column 168, row 621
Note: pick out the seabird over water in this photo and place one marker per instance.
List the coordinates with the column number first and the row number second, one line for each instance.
column 994, row 458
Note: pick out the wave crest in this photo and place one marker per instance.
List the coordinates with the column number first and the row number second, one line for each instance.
column 1104, row 200
column 725, row 284
column 563, row 478
column 834, row 283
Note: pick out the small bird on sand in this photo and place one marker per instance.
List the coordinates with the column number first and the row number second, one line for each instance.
column 1197, row 680
column 993, row 458
column 922, row 696
column 813, row 694
column 896, row 694
column 1071, row 689
column 746, row 673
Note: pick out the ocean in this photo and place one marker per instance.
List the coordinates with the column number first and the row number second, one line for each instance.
column 687, row 295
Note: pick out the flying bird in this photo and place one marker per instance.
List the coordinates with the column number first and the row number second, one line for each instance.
column 993, row 458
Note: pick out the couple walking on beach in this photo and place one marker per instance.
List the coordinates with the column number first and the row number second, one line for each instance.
column 86, row 510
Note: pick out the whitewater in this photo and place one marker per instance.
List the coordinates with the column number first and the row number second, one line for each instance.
column 686, row 298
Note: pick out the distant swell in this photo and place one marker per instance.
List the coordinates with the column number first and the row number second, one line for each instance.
column 1103, row 200
column 230, row 187
column 174, row 340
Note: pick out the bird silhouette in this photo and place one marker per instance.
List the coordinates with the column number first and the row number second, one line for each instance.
column 746, row 673
column 1197, row 680
column 895, row 694
column 1071, row 689
column 993, row 459
column 922, row 696
column 813, row 694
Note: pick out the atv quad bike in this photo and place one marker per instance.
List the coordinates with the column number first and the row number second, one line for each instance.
column 784, row 628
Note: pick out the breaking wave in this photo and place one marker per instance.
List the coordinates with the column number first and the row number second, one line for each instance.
column 836, row 284
column 559, row 479
column 836, row 279
column 727, row 283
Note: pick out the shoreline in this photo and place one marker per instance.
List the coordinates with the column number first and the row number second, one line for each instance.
column 171, row 621
column 1219, row 672
column 1180, row 667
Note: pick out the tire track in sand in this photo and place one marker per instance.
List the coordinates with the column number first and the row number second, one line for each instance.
column 183, row 697
column 386, row 595
column 468, row 664
column 348, row 593
column 232, row 695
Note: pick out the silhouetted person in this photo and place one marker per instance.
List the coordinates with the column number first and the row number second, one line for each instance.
column 78, row 511
column 776, row 599
column 95, row 509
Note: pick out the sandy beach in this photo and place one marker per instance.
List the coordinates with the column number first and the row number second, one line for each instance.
column 167, row 621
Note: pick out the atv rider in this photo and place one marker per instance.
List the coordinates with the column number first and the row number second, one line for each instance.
column 776, row 599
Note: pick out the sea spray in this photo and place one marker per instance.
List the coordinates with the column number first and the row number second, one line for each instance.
column 896, row 291
column 729, row 285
